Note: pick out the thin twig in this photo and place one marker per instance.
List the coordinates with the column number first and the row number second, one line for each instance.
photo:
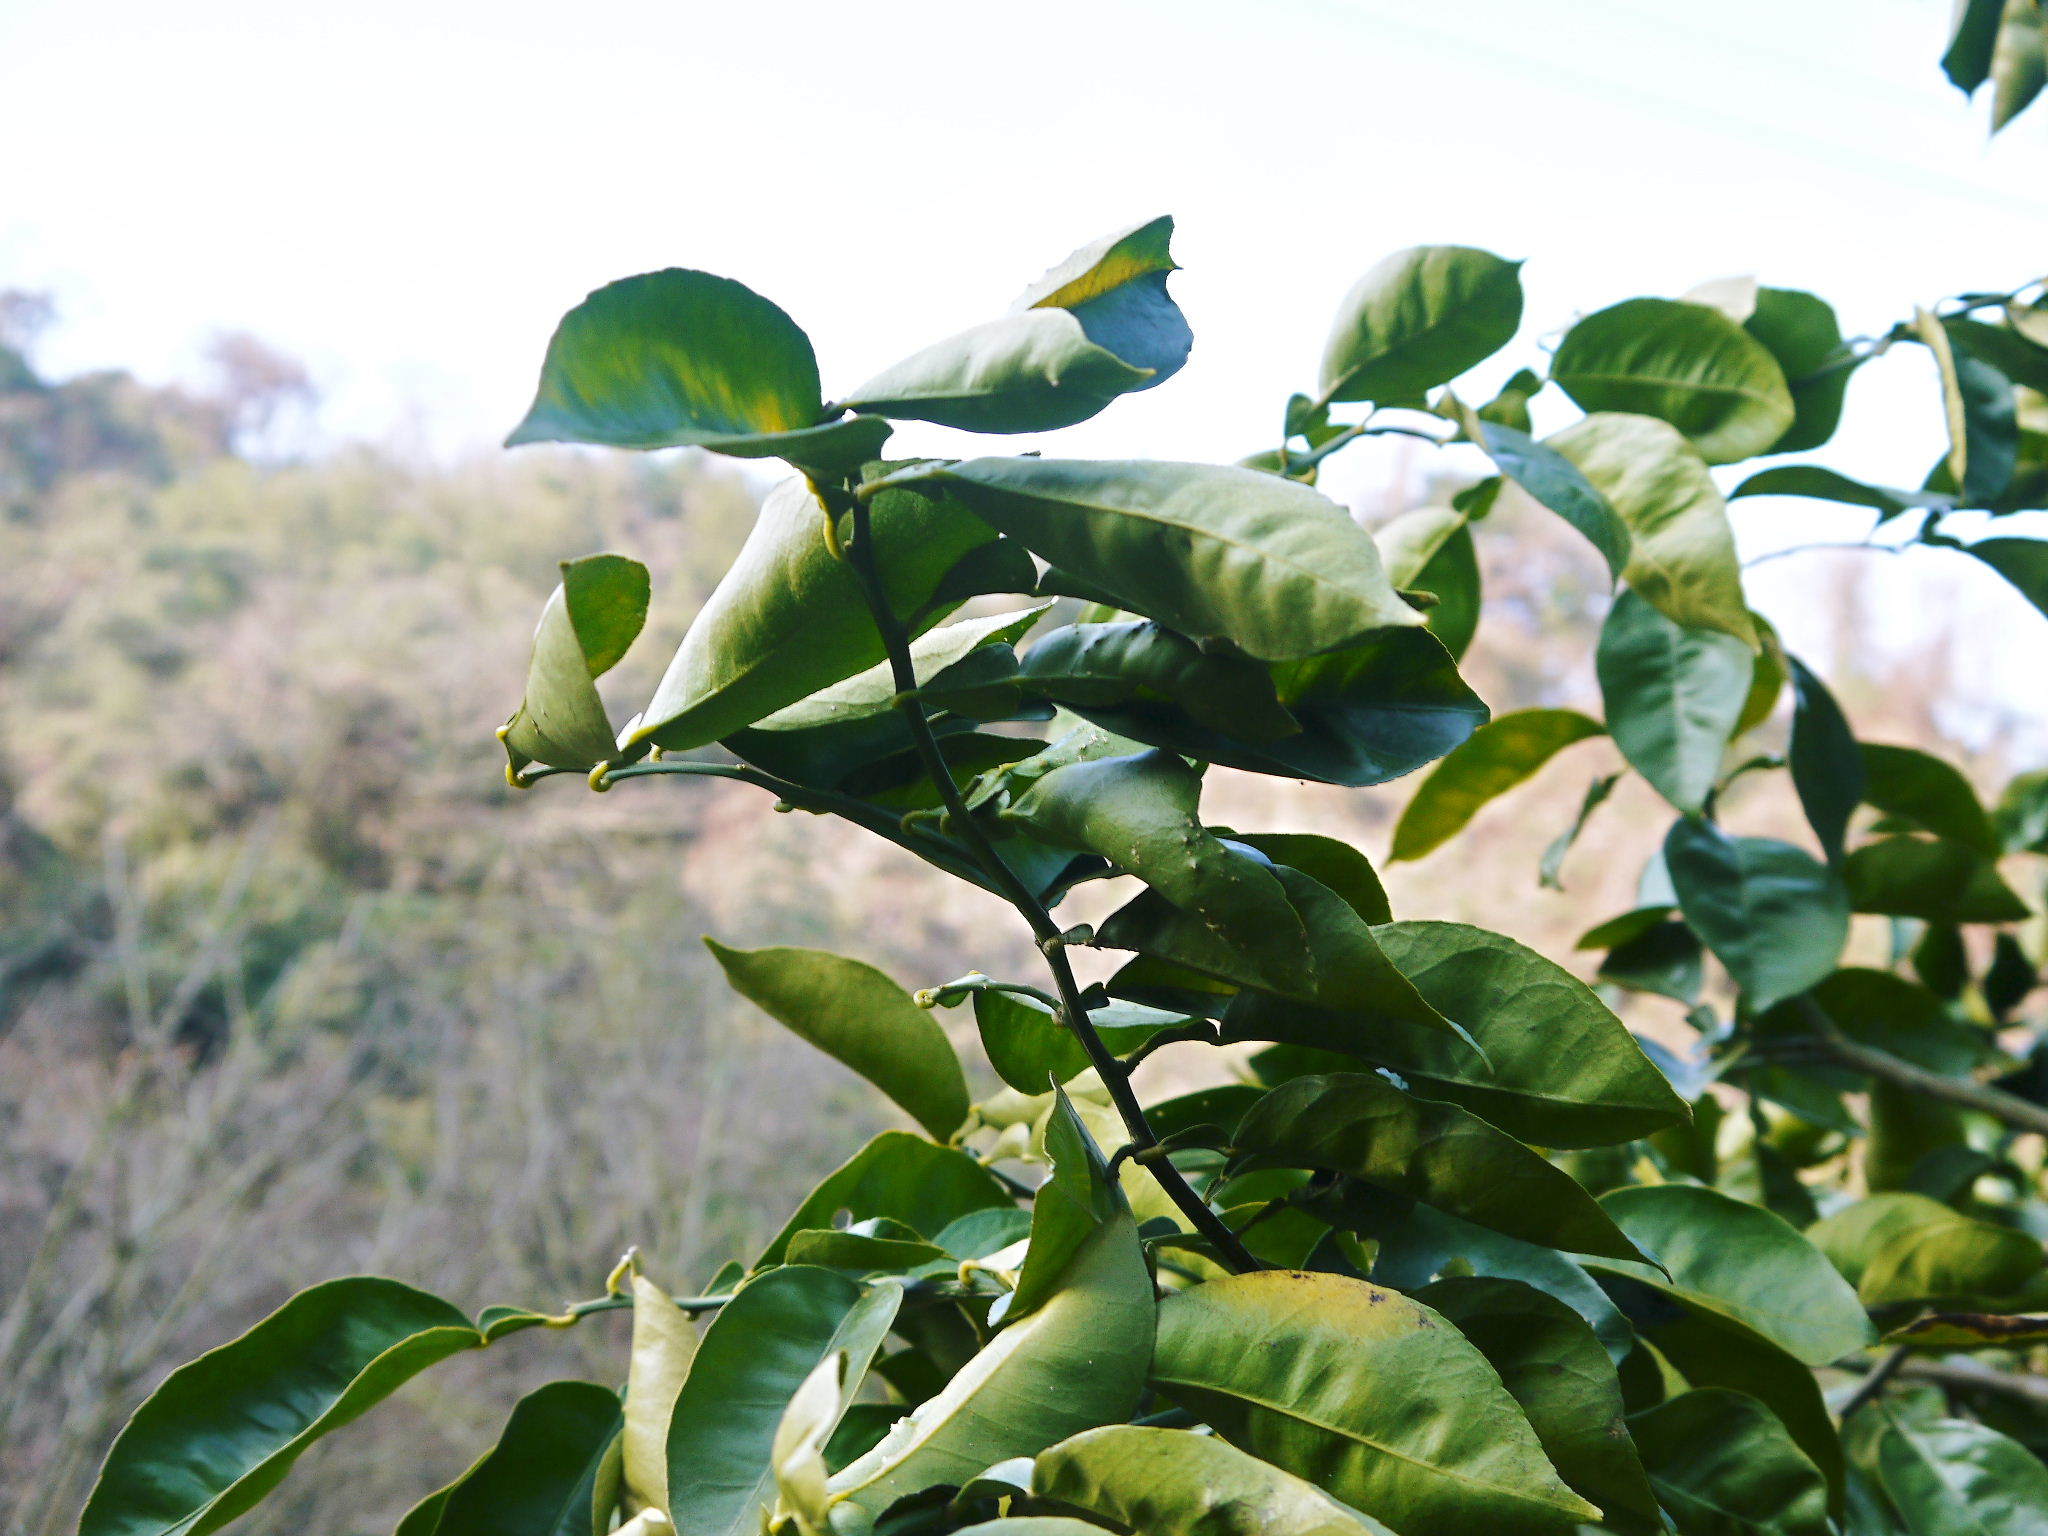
column 1800, row 549
column 1831, row 1044
column 1868, row 1388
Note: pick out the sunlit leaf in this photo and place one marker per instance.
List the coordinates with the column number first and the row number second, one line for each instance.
column 588, row 624
column 1684, row 363
column 1364, row 1393
column 1498, row 756
column 1097, row 326
column 1418, row 319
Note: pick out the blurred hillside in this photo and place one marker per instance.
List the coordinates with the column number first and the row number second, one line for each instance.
column 292, row 985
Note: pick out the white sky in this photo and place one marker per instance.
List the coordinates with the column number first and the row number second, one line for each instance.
column 407, row 193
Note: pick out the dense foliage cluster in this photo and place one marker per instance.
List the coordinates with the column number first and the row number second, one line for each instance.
column 1455, row 1252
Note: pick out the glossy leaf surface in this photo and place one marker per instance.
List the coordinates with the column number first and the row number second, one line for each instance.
column 854, row 1013
column 1745, row 1263
column 1722, row 1463
column 1673, row 696
column 1099, row 325
column 1364, row 1393
column 1555, row 1368
column 758, row 1352
column 1361, row 1125
column 787, row 618
column 588, row 624
column 1418, row 319
column 1683, row 363
column 1772, row 913
column 547, row 1476
column 1216, row 553
column 223, row 1431
column 1168, row 1482
column 902, row 1177
column 681, row 358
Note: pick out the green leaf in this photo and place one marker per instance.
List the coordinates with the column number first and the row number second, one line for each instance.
column 1827, row 768
column 1683, row 363
column 1665, row 958
column 873, row 692
column 1723, row 1465
column 1772, row 913
column 1333, row 863
column 1418, row 319
column 1351, row 974
column 1740, row 1262
column 1364, row 1393
column 2019, row 61
column 2007, row 348
column 1028, row 1046
column 1418, row 1245
column 1142, row 813
column 1673, row 697
column 1430, row 550
column 1827, row 485
column 1801, row 332
column 1217, row 553
column 1169, row 1482
column 1977, row 403
column 858, row 1016
column 2022, row 813
column 1076, row 1361
column 547, row 1475
column 1560, row 1070
column 1681, row 553
column 902, row 1177
column 1493, row 760
column 1141, row 668
column 1553, row 1366
column 1973, row 34
column 1368, row 713
column 1933, row 795
column 1930, row 878
column 1074, row 1204
column 1901, row 1247
column 2023, row 562
column 757, row 1353
column 1099, row 325
column 1359, row 1124
column 680, row 358
column 787, row 619
column 1950, row 1477
column 1554, row 481
column 664, row 1344
column 222, row 1431
column 1701, row 1347
column 589, row 622
column 862, row 1254
column 1510, row 408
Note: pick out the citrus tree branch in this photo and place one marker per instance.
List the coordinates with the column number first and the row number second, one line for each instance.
column 1003, row 880
column 1830, row 1044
